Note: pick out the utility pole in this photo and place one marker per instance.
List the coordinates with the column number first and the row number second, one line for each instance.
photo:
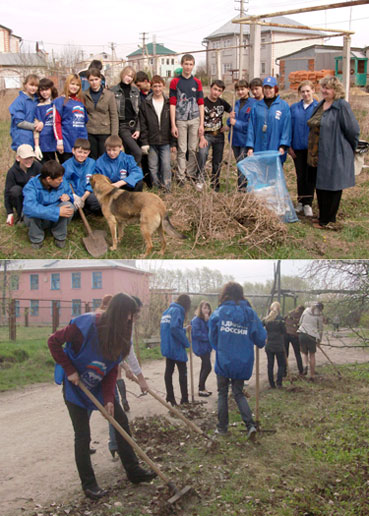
column 155, row 59
column 144, row 49
column 113, row 58
column 241, row 49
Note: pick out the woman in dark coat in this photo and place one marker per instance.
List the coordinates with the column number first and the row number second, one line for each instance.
column 333, row 138
column 274, row 347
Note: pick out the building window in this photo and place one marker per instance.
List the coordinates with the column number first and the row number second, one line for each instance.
column 169, row 73
column 95, row 304
column 97, row 280
column 57, row 306
column 162, row 60
column 262, row 67
column 172, row 61
column 17, row 308
column 76, row 307
column 34, row 307
column 34, row 281
column 55, row 281
column 76, row 280
column 14, row 282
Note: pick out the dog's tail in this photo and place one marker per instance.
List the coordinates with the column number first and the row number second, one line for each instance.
column 170, row 229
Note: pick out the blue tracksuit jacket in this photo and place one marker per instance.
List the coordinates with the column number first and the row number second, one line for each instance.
column 79, row 174
column 40, row 203
column 74, row 118
column 200, row 336
column 234, row 329
column 45, row 113
column 124, row 167
column 22, row 109
column 300, row 129
column 278, row 121
column 242, row 122
column 173, row 340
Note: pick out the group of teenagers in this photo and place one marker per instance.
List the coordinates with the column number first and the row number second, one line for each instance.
column 87, row 130
column 95, row 347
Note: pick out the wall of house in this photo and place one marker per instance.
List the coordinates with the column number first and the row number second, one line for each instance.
column 4, row 40
column 282, row 49
column 14, row 44
column 13, row 76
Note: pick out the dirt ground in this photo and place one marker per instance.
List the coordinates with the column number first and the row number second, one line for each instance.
column 36, row 439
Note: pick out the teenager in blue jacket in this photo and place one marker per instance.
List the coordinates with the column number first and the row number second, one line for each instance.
column 300, row 113
column 234, row 329
column 22, row 114
column 45, row 142
column 200, row 343
column 120, row 168
column 173, row 344
column 270, row 122
column 239, row 120
column 48, row 204
column 95, row 345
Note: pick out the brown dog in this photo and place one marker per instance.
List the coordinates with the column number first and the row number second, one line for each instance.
column 119, row 206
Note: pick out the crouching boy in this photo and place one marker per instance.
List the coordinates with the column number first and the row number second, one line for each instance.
column 234, row 329
column 120, row 168
column 48, row 204
column 78, row 171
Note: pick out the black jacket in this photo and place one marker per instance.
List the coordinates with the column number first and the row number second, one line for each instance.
column 120, row 99
column 16, row 176
column 276, row 331
column 151, row 133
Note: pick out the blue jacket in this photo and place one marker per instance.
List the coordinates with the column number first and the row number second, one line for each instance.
column 242, row 122
column 278, row 121
column 200, row 336
column 79, row 174
column 91, row 366
column 173, row 340
column 300, row 129
column 22, row 109
column 73, row 121
column 233, row 331
column 40, row 203
column 45, row 113
column 124, row 167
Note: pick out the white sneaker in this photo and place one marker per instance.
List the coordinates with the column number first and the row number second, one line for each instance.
column 308, row 212
column 199, row 186
column 299, row 207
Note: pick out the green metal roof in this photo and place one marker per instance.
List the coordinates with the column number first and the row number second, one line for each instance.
column 160, row 49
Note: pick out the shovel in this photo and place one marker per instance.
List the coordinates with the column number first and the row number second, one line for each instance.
column 95, row 242
column 178, row 493
column 191, row 367
column 330, row 361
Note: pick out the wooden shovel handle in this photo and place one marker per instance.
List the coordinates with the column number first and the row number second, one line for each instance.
column 83, row 216
column 124, row 434
column 191, row 367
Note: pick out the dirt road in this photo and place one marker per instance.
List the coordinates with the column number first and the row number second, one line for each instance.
column 36, row 439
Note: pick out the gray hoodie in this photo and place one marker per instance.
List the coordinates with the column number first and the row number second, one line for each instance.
column 311, row 322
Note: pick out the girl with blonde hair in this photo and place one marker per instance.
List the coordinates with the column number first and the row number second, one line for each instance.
column 276, row 331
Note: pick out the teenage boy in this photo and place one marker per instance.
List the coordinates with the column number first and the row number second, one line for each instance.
column 48, row 204
column 239, row 119
column 142, row 82
column 214, row 109
column 156, row 137
column 256, row 87
column 187, row 116
column 17, row 177
column 120, row 168
column 78, row 171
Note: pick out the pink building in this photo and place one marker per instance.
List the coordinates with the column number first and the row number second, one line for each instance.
column 76, row 285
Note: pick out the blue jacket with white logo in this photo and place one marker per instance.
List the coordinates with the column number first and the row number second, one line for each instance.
column 124, row 167
column 91, row 366
column 45, row 114
column 234, row 329
column 200, row 336
column 41, row 203
column 73, row 117
column 300, row 129
column 242, row 122
column 173, row 340
column 22, row 109
column 277, row 119
column 79, row 174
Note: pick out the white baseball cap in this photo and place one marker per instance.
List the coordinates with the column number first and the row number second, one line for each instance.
column 25, row 151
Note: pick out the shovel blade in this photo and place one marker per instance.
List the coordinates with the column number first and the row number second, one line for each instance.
column 95, row 243
column 187, row 491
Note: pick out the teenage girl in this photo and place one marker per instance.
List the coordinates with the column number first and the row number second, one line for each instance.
column 201, row 344
column 45, row 143
column 70, row 118
column 22, row 113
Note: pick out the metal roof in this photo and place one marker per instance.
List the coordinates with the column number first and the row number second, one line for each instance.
column 357, row 52
column 160, row 50
column 22, row 59
column 29, row 265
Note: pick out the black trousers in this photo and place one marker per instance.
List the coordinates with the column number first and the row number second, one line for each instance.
column 328, row 200
column 16, row 199
column 137, row 188
column 130, row 145
column 82, row 437
column 63, row 157
column 305, row 188
column 205, row 370
column 294, row 340
column 48, row 156
column 97, row 142
column 279, row 355
column 168, row 378
column 240, row 154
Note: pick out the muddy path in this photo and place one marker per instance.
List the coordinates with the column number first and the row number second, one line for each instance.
column 36, row 439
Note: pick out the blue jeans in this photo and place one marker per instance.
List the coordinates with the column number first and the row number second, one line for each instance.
column 159, row 165
column 217, row 144
column 240, row 399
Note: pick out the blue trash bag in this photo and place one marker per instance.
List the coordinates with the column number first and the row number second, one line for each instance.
column 265, row 179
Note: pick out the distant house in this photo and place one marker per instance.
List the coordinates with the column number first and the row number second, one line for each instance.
column 167, row 61
column 14, row 67
column 273, row 45
column 9, row 42
column 76, row 285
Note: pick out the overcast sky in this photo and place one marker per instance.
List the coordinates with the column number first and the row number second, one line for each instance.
column 181, row 26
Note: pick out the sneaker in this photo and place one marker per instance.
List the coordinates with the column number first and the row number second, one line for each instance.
column 219, row 431
column 299, row 208
column 251, row 434
column 205, row 394
column 199, row 187
column 36, row 245
column 10, row 220
column 308, row 212
column 59, row 243
column 95, row 492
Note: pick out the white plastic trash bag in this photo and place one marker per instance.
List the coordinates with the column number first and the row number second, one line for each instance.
column 265, row 179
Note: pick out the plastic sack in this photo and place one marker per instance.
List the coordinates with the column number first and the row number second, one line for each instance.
column 265, row 179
